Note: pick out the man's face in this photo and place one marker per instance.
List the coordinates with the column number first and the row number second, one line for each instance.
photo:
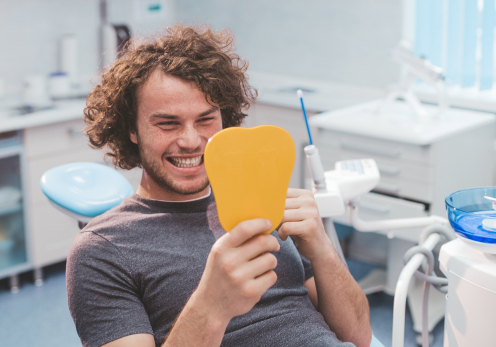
column 174, row 124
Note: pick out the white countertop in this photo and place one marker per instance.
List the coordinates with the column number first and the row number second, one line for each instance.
column 62, row 111
column 274, row 90
column 397, row 122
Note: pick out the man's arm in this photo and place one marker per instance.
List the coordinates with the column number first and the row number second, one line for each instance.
column 238, row 272
column 322, row 299
column 333, row 291
column 142, row 340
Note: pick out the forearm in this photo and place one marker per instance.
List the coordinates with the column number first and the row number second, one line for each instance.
column 197, row 326
column 341, row 300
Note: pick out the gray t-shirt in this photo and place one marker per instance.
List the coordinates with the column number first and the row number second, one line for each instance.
column 132, row 269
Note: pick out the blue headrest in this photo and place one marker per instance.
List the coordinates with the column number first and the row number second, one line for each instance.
column 86, row 189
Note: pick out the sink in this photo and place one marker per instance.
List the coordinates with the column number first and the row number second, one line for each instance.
column 294, row 89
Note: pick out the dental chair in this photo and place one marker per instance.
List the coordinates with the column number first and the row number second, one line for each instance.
column 85, row 190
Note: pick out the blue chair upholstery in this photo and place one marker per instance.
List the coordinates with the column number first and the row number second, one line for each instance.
column 85, row 190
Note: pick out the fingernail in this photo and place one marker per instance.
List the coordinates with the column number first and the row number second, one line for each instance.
column 269, row 224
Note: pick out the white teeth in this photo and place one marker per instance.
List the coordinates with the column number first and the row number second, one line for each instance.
column 186, row 162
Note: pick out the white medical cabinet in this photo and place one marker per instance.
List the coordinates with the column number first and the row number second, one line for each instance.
column 32, row 233
column 14, row 239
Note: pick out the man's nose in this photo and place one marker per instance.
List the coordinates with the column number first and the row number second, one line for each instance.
column 189, row 138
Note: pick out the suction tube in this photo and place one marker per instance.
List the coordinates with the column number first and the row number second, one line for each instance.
column 413, row 259
column 316, row 168
column 401, row 292
column 313, row 157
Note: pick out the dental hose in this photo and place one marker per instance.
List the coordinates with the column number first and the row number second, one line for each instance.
column 439, row 283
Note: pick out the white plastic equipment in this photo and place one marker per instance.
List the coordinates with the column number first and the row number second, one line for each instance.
column 471, row 274
column 471, row 302
column 471, row 312
column 417, row 67
column 349, row 179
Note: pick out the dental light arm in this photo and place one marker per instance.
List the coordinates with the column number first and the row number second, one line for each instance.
column 417, row 67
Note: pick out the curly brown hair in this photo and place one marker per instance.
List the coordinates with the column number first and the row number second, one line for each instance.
column 191, row 53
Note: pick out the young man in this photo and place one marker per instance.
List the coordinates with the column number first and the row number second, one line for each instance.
column 159, row 270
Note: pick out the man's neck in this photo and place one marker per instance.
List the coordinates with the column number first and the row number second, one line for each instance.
column 178, row 198
column 149, row 189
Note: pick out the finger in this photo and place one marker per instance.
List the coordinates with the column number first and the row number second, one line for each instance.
column 300, row 201
column 258, row 286
column 296, row 228
column 298, row 215
column 294, row 192
column 293, row 203
column 260, row 265
column 266, row 280
column 246, row 230
column 258, row 245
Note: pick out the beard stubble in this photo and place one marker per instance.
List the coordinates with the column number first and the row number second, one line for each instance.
column 163, row 179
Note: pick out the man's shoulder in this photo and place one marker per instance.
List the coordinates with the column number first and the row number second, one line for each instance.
column 128, row 211
column 103, row 231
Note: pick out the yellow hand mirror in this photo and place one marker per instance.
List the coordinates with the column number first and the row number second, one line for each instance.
column 249, row 171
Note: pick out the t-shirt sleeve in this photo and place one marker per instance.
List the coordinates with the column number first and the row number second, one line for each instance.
column 103, row 296
column 307, row 266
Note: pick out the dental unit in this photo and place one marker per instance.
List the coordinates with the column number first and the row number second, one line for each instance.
column 468, row 255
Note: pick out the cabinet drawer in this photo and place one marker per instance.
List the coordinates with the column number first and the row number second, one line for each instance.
column 53, row 138
column 373, row 147
column 406, row 188
column 387, row 167
column 36, row 168
column 51, row 234
column 377, row 207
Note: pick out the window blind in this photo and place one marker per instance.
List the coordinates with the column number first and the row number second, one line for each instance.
column 458, row 35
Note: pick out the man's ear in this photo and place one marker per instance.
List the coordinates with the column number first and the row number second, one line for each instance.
column 133, row 137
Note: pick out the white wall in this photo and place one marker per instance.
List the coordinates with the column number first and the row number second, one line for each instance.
column 30, row 30
column 336, row 40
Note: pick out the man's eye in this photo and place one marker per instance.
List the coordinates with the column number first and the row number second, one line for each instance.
column 167, row 123
column 206, row 119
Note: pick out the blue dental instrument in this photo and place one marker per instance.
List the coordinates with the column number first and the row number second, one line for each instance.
column 313, row 157
column 300, row 95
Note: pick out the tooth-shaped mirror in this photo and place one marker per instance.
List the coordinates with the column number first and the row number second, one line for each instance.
column 249, row 171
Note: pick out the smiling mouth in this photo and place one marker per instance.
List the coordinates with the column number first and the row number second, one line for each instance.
column 186, row 162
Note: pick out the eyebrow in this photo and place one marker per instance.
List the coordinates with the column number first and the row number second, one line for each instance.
column 170, row 116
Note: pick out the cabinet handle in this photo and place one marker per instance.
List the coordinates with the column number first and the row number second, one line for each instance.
column 388, row 170
column 375, row 207
column 393, row 188
column 394, row 153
